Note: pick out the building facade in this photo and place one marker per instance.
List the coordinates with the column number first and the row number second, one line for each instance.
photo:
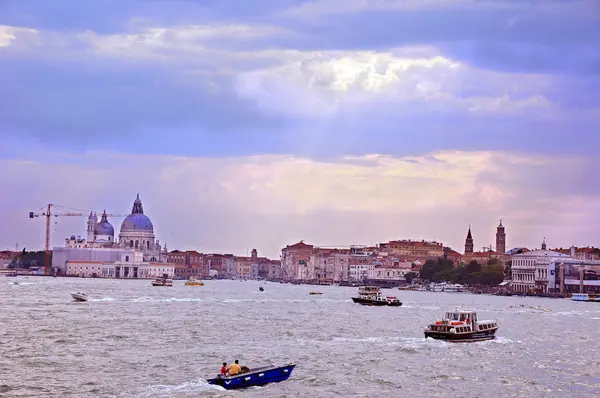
column 136, row 254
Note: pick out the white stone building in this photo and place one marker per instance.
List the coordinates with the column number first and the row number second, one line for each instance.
column 532, row 266
column 130, row 265
column 136, row 254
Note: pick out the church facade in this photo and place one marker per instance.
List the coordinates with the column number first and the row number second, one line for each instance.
column 135, row 254
column 137, row 233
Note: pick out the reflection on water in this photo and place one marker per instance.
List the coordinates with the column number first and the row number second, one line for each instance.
column 135, row 340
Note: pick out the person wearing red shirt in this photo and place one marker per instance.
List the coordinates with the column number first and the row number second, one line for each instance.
column 224, row 368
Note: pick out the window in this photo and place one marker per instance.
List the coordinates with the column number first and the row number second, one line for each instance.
column 137, row 244
column 126, row 258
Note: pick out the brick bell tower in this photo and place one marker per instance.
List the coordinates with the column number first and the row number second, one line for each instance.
column 500, row 239
column 469, row 242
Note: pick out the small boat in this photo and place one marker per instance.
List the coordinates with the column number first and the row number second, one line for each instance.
column 315, row 293
column 79, row 296
column 371, row 295
column 595, row 298
column 462, row 326
column 162, row 282
column 194, row 282
column 255, row 377
column 262, row 289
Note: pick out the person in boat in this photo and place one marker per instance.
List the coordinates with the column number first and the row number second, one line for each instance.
column 234, row 368
column 224, row 369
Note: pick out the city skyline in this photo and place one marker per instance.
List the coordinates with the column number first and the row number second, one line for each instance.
column 257, row 126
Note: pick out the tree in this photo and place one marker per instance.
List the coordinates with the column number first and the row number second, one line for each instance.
column 492, row 275
column 409, row 276
column 437, row 269
column 493, row 261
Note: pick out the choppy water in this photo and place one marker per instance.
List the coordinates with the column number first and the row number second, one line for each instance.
column 135, row 340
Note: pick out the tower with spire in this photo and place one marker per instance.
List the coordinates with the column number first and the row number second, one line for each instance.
column 500, row 239
column 544, row 244
column 469, row 242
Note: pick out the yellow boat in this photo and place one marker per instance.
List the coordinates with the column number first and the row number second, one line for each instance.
column 194, row 282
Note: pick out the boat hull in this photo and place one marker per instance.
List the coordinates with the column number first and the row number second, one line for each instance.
column 257, row 377
column 380, row 303
column 462, row 337
column 79, row 297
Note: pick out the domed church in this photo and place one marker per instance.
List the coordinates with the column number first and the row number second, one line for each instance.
column 137, row 232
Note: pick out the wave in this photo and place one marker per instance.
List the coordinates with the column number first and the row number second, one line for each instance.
column 166, row 300
column 165, row 390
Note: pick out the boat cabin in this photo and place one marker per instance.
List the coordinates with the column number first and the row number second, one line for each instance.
column 369, row 290
column 461, row 316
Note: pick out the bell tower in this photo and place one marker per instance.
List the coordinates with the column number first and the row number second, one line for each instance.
column 500, row 239
column 469, row 242
column 91, row 225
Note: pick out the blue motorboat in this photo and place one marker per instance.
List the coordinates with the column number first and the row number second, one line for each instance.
column 255, row 377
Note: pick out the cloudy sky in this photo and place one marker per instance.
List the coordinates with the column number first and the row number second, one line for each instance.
column 259, row 123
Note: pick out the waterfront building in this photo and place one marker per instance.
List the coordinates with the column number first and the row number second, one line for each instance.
column 229, row 266
column 129, row 265
column 295, row 261
column 581, row 253
column 413, row 250
column 547, row 271
column 187, row 263
column 6, row 258
column 452, row 255
column 390, row 273
column 482, row 257
column 100, row 250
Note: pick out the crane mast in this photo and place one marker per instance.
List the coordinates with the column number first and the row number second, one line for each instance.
column 48, row 213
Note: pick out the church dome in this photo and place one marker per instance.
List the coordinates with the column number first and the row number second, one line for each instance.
column 104, row 227
column 137, row 221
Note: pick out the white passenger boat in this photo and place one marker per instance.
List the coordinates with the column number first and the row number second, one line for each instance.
column 446, row 287
column 162, row 282
column 462, row 326
column 371, row 295
column 79, row 296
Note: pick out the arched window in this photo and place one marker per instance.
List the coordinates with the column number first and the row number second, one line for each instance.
column 148, row 245
column 130, row 243
column 136, row 244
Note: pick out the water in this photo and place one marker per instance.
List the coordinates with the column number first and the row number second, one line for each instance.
column 135, row 340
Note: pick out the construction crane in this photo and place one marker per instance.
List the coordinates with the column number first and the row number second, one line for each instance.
column 48, row 212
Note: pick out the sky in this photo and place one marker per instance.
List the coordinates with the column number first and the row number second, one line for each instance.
column 338, row 122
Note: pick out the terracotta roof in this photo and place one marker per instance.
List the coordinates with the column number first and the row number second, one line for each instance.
column 299, row 245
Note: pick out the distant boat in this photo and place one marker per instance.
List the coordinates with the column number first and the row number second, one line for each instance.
column 255, row 377
column 262, row 289
column 371, row 295
column 194, row 282
column 162, row 282
column 315, row 293
column 586, row 297
column 79, row 296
